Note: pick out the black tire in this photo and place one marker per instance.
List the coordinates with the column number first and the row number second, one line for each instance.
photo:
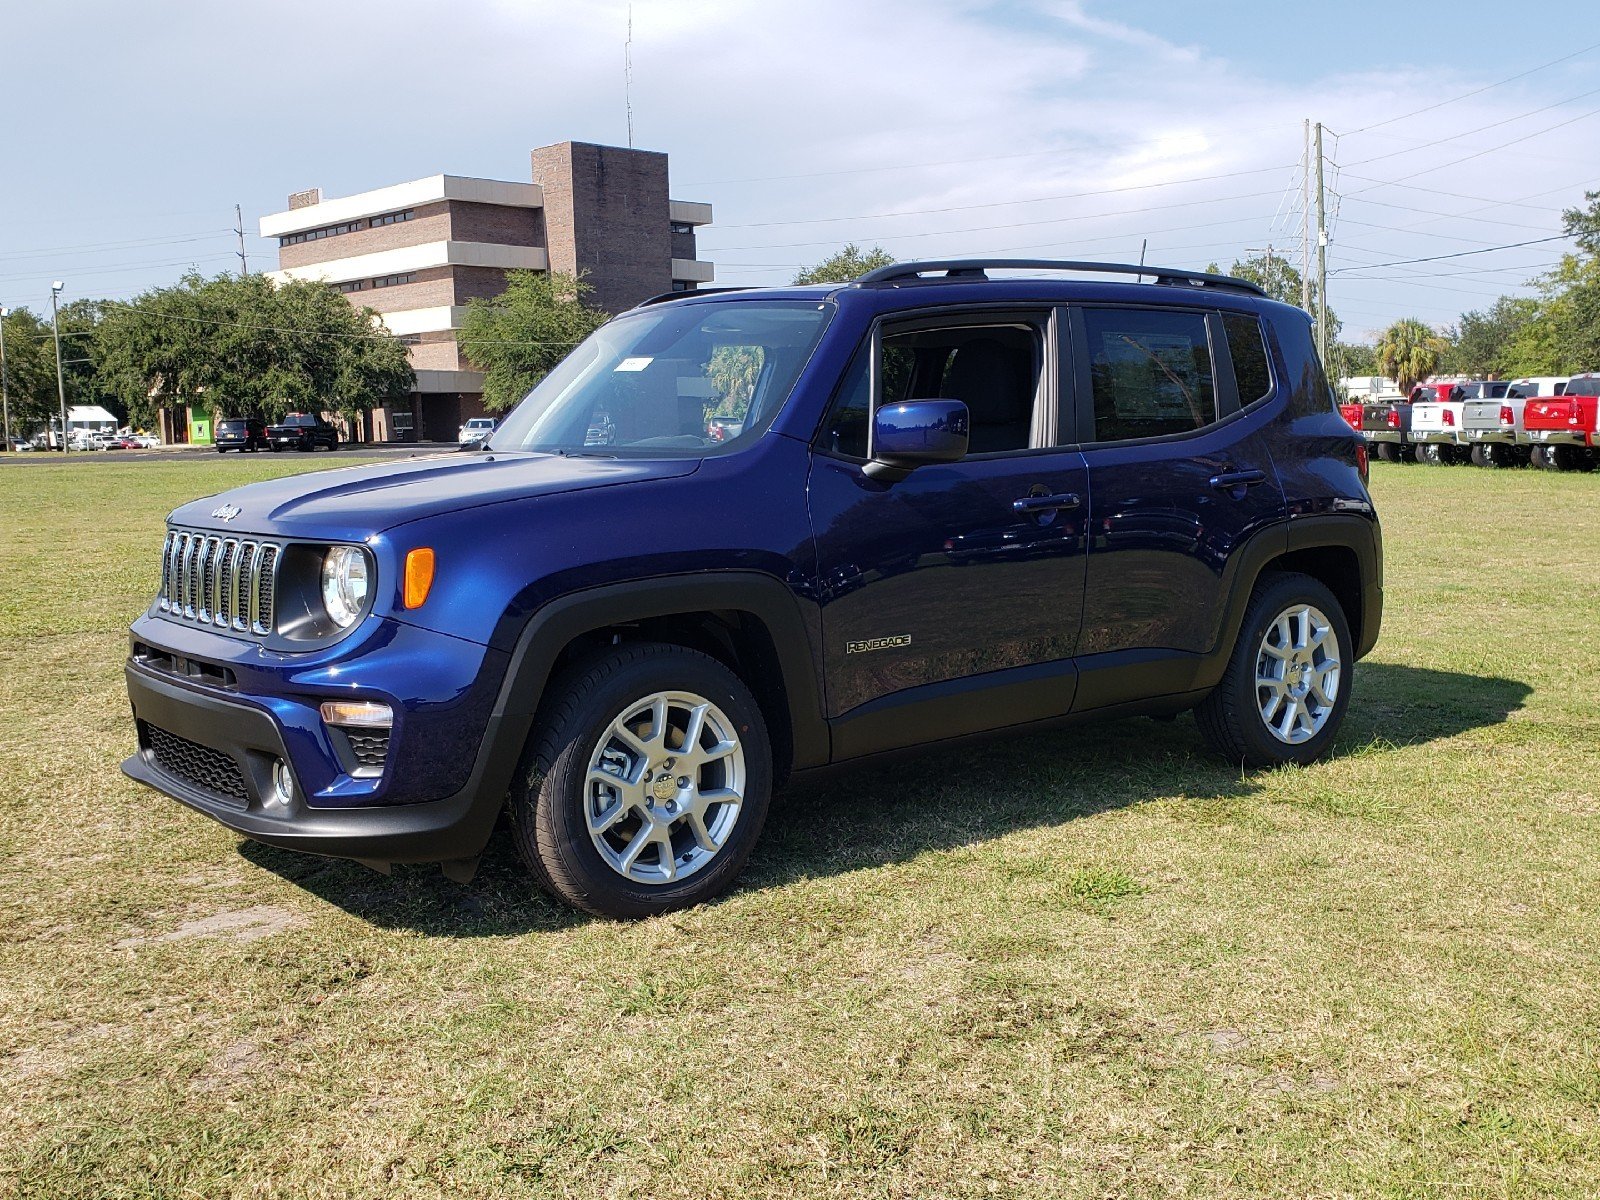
column 548, row 799
column 276, row 447
column 1230, row 717
column 1429, row 454
column 1389, row 452
column 1537, row 458
column 1562, row 457
column 222, row 449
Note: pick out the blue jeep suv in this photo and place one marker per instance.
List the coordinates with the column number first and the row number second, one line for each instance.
column 740, row 536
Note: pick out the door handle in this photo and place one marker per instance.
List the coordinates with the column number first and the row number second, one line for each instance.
column 1043, row 504
column 1231, row 480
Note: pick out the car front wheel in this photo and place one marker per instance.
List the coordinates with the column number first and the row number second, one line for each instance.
column 1287, row 683
column 646, row 782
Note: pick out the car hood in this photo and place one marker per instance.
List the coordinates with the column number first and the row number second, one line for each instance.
column 354, row 502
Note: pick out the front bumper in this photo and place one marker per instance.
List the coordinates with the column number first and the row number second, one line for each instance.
column 451, row 829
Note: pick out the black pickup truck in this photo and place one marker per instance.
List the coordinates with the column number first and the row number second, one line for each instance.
column 302, row 431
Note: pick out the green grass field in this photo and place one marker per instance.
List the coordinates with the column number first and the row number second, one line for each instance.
column 1094, row 963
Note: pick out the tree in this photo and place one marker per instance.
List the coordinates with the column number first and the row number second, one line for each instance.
column 1277, row 277
column 849, row 263
column 1409, row 351
column 244, row 346
column 1584, row 224
column 30, row 371
column 519, row 337
column 1353, row 359
column 1483, row 339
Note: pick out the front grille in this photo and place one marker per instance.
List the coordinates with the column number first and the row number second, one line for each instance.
column 221, row 581
column 202, row 766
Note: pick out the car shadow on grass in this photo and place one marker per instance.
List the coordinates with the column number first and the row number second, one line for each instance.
column 939, row 799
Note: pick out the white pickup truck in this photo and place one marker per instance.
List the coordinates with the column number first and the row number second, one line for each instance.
column 1492, row 424
column 1436, row 422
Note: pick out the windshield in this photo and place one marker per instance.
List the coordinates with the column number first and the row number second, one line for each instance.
column 676, row 381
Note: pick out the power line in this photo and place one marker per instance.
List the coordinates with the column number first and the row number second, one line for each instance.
column 1560, row 237
column 887, row 237
column 1480, row 129
column 1475, row 92
column 175, row 240
column 1490, row 150
column 922, row 212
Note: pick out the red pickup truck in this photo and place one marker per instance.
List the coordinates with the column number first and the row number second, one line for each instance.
column 1564, row 431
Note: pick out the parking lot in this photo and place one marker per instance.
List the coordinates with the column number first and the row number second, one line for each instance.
column 346, row 453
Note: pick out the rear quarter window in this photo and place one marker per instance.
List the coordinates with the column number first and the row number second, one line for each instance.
column 1247, row 348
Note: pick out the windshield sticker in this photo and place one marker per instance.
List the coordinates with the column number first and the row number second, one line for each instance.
column 633, row 364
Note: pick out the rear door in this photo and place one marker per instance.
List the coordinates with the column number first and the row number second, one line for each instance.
column 1179, row 476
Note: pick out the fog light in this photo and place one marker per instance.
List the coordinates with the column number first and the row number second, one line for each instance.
column 357, row 714
column 282, row 782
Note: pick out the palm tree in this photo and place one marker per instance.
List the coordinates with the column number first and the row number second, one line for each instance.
column 1409, row 351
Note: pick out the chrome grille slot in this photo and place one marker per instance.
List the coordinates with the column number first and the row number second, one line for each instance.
column 225, row 582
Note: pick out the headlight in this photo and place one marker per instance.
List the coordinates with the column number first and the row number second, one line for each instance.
column 344, row 584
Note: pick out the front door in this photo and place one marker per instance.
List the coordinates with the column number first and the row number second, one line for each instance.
column 1179, row 476
column 951, row 599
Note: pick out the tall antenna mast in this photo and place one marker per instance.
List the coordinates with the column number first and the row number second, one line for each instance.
column 627, row 74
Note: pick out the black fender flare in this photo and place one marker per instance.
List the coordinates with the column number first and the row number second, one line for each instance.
column 1358, row 533
column 557, row 623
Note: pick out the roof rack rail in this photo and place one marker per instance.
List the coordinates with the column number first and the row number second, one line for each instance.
column 663, row 297
column 975, row 268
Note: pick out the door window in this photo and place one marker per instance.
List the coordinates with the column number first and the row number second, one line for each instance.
column 1150, row 373
column 995, row 370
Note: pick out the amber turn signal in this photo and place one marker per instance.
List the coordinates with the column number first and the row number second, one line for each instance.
column 419, row 576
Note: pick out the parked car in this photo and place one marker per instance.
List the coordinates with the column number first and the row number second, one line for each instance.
column 1563, row 430
column 474, row 431
column 1492, row 424
column 302, row 431
column 629, row 650
column 146, row 441
column 1436, row 422
column 1385, row 424
column 241, row 433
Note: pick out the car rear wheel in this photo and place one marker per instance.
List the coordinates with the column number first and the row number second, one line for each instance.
column 645, row 784
column 1389, row 452
column 1287, row 684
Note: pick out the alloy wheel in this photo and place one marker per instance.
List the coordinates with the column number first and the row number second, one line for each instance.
column 664, row 787
column 1298, row 667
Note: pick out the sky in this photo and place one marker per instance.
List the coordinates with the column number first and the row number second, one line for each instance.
column 934, row 128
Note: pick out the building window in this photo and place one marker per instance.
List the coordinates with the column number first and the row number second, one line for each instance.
column 682, row 285
column 316, row 235
column 682, row 227
column 393, row 218
column 411, row 339
column 354, row 285
column 394, row 280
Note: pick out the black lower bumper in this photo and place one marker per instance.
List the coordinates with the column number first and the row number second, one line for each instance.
column 448, row 830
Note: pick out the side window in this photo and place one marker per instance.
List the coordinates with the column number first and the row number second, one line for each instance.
column 1150, row 373
column 1248, row 350
column 993, row 369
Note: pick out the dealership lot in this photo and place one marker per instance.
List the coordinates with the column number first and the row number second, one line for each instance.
column 1091, row 962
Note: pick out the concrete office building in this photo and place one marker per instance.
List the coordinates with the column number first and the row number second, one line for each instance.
column 418, row 252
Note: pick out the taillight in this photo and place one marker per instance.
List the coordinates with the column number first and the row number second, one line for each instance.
column 1448, row 415
column 1393, row 419
column 1351, row 414
column 1506, row 417
column 1363, row 466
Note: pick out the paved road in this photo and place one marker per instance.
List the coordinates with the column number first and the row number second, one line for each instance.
column 322, row 457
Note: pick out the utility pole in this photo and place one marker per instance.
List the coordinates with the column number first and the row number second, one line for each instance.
column 1305, row 220
column 5, row 385
column 244, row 266
column 61, row 383
column 1269, row 250
column 1322, row 257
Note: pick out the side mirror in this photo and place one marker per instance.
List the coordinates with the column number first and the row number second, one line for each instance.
column 916, row 433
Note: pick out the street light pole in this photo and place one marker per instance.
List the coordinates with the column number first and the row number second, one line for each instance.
column 61, row 383
column 5, row 383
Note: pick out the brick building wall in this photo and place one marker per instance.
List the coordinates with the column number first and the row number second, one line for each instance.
column 605, row 211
